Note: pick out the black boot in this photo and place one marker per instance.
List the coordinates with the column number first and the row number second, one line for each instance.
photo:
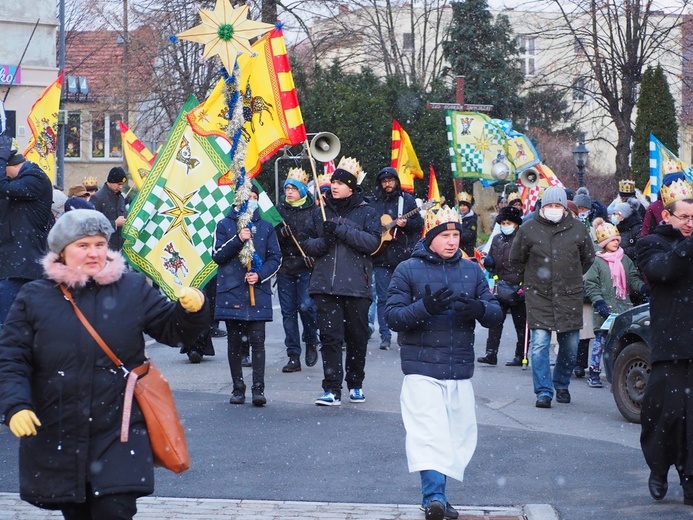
column 515, row 362
column 294, row 364
column 490, row 358
column 259, row 395
column 238, row 395
column 311, row 355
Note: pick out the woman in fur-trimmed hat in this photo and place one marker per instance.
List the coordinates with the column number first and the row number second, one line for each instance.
column 61, row 394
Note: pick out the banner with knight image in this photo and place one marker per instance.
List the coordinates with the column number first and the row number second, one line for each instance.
column 169, row 231
column 476, row 143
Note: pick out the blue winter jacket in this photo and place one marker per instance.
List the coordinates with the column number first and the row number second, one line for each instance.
column 233, row 296
column 438, row 346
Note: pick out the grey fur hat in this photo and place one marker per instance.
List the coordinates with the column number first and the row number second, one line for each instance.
column 554, row 195
column 76, row 224
column 582, row 198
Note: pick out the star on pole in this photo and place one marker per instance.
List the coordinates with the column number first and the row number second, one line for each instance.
column 225, row 32
column 179, row 212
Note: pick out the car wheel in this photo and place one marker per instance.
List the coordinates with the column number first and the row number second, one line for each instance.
column 631, row 373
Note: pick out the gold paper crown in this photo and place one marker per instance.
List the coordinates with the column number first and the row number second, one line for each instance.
column 298, row 174
column 436, row 218
column 626, row 186
column 512, row 197
column 324, row 179
column 350, row 164
column 678, row 190
column 89, row 181
column 606, row 231
column 463, row 196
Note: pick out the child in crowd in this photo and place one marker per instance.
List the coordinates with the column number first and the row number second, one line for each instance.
column 607, row 284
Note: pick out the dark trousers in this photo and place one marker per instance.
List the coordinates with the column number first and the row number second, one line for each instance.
column 518, row 312
column 254, row 331
column 666, row 416
column 110, row 507
column 342, row 319
column 583, row 354
column 294, row 300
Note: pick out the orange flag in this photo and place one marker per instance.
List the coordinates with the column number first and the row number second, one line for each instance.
column 43, row 122
column 137, row 155
column 404, row 158
column 433, row 191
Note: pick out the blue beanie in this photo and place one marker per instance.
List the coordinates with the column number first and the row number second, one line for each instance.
column 302, row 188
column 77, row 203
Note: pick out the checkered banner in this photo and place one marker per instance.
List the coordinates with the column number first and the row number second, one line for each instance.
column 476, row 144
column 169, row 232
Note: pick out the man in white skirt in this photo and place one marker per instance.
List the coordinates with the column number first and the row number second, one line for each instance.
column 434, row 301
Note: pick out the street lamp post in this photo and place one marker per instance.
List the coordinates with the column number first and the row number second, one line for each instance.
column 580, row 154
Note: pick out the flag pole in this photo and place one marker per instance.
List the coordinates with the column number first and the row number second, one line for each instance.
column 294, row 239
column 251, row 288
column 315, row 179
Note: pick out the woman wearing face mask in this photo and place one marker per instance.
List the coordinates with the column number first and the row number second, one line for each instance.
column 498, row 262
column 234, row 280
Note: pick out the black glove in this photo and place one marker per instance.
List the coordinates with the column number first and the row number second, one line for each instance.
column 329, row 227
column 489, row 263
column 468, row 309
column 602, row 308
column 309, row 261
column 439, row 301
column 645, row 291
column 285, row 231
column 6, row 150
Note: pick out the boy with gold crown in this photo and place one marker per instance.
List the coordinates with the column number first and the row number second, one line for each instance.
column 293, row 278
column 665, row 258
column 340, row 285
column 434, row 301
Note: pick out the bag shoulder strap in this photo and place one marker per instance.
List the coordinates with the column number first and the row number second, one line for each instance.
column 99, row 340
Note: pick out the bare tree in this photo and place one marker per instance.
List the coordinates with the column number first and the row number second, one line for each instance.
column 606, row 46
column 398, row 39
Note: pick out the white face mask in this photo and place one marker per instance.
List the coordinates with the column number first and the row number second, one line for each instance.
column 252, row 204
column 507, row 230
column 615, row 220
column 582, row 216
column 553, row 214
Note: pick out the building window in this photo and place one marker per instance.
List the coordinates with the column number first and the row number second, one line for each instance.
column 105, row 136
column 408, row 41
column 73, row 135
column 527, row 54
column 579, row 86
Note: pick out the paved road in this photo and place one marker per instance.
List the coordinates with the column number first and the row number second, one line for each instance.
column 582, row 459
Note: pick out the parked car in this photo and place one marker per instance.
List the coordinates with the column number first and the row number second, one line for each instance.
column 627, row 359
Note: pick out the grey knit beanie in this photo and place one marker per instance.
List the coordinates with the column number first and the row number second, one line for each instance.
column 554, row 195
column 624, row 209
column 76, row 224
column 582, row 198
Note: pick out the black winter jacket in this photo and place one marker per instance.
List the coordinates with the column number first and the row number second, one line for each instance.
column 665, row 258
column 630, row 229
column 499, row 252
column 440, row 345
column 404, row 239
column 50, row 364
column 25, row 219
column 343, row 267
column 297, row 219
column 468, row 233
column 112, row 205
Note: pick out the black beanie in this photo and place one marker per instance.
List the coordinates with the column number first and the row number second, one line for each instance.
column 346, row 177
column 116, row 175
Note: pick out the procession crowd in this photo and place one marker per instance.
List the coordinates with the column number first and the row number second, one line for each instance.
column 341, row 260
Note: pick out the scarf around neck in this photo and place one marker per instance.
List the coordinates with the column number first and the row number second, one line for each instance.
column 618, row 273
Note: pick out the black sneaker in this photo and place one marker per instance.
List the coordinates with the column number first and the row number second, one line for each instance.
column 579, row 372
column 543, row 401
column 245, row 362
column 216, row 332
column 490, row 359
column 238, row 396
column 294, row 364
column 194, row 356
column 562, row 395
column 514, row 362
column 259, row 396
column 435, row 511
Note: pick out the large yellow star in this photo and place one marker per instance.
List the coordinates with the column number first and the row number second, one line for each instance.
column 179, row 212
column 226, row 32
column 483, row 143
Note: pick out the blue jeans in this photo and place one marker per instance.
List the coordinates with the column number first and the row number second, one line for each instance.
column 9, row 288
column 432, row 486
column 294, row 300
column 565, row 361
column 382, row 276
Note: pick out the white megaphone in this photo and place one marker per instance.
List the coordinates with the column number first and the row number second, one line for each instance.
column 500, row 171
column 325, row 146
column 529, row 178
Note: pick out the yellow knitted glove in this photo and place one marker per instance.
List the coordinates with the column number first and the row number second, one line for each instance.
column 191, row 299
column 24, row 423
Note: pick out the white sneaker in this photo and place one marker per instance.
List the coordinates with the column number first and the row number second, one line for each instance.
column 356, row 396
column 328, row 399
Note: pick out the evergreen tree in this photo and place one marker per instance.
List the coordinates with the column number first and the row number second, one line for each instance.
column 547, row 111
column 486, row 54
column 656, row 115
